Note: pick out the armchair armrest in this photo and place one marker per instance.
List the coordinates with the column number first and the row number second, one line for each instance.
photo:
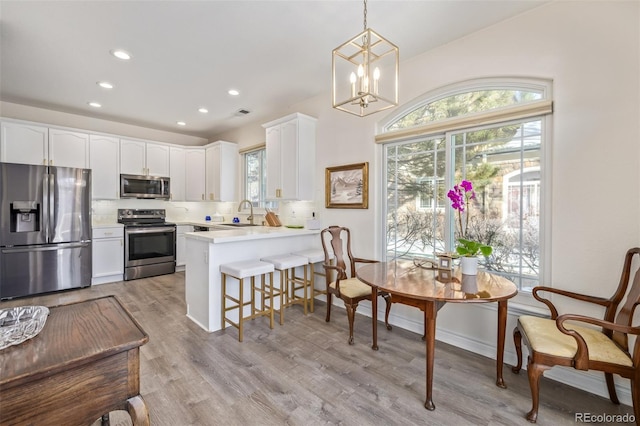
column 340, row 274
column 328, row 267
column 577, row 296
column 581, row 358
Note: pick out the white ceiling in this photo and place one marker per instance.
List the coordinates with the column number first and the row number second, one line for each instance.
column 187, row 54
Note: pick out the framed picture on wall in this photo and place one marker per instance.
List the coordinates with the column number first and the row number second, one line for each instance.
column 347, row 187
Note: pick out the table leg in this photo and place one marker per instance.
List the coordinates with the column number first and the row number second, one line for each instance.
column 430, row 334
column 502, row 325
column 374, row 316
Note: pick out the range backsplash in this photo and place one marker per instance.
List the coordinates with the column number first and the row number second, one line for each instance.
column 290, row 212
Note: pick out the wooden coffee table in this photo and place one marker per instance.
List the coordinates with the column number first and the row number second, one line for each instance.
column 84, row 364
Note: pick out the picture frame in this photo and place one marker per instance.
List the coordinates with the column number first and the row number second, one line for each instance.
column 347, row 187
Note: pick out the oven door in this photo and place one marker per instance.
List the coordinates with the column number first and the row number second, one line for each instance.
column 147, row 245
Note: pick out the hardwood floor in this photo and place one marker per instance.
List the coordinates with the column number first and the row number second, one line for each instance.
column 305, row 373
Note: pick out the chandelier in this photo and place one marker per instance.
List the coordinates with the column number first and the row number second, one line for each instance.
column 365, row 73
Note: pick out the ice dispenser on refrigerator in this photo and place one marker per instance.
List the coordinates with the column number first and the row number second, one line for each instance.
column 25, row 216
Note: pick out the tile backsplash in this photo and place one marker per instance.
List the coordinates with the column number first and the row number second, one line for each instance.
column 290, row 212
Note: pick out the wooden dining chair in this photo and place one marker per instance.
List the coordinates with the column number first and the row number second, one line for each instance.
column 335, row 240
column 561, row 341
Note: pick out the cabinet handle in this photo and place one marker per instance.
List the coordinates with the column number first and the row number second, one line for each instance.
column 211, row 196
column 51, row 162
column 202, row 197
column 278, row 193
column 171, row 196
column 44, row 162
column 108, row 233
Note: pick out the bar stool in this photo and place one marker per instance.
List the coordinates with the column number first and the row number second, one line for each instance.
column 240, row 271
column 314, row 257
column 289, row 283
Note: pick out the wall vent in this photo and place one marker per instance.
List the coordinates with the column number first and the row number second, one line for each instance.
column 242, row 112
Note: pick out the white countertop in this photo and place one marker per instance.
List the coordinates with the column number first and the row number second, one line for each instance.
column 248, row 233
column 208, row 223
column 106, row 225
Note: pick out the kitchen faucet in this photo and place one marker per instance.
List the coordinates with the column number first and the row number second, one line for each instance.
column 250, row 218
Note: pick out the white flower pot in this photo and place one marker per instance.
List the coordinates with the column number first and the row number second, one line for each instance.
column 469, row 265
column 469, row 284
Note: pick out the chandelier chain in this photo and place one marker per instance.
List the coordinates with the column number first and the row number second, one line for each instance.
column 365, row 15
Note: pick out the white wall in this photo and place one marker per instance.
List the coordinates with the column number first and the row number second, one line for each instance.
column 591, row 51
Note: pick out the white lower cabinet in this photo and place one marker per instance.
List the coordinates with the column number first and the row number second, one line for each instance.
column 108, row 254
column 181, row 245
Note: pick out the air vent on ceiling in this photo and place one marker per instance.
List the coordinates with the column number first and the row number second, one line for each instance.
column 242, row 112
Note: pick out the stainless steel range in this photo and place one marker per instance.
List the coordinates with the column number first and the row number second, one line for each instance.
column 150, row 243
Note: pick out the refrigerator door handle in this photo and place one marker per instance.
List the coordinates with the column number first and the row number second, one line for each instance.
column 52, row 207
column 32, row 249
column 45, row 206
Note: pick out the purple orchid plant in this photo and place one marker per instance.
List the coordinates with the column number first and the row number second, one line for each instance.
column 460, row 197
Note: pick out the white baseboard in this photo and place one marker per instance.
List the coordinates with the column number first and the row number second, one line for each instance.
column 106, row 279
column 589, row 381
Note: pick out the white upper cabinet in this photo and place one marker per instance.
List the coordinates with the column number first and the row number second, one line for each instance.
column 32, row 144
column 177, row 169
column 143, row 158
column 157, row 159
column 291, row 147
column 68, row 149
column 133, row 157
column 222, row 171
column 195, row 174
column 103, row 161
column 24, row 144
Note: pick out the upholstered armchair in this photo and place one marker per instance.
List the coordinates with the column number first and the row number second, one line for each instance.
column 571, row 340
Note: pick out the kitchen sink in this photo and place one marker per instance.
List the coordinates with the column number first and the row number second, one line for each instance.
column 239, row 224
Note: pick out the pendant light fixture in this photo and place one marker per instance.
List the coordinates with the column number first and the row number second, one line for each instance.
column 365, row 73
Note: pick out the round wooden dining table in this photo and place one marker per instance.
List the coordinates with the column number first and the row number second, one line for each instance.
column 428, row 288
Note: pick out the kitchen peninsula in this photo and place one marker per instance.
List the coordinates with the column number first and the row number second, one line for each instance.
column 206, row 251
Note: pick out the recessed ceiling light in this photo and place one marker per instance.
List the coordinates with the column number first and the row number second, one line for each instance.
column 233, row 92
column 94, row 104
column 203, row 110
column 105, row 85
column 181, row 123
column 121, row 54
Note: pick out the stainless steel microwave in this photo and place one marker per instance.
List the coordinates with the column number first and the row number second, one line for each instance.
column 133, row 186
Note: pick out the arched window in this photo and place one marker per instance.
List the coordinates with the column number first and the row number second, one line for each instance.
column 491, row 132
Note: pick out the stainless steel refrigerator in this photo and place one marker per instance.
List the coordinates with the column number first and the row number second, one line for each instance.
column 45, row 229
